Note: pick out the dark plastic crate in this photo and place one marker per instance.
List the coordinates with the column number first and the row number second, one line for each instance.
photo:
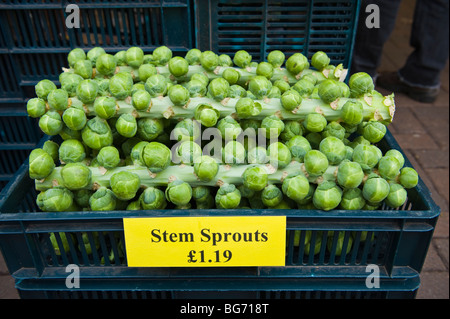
column 260, row 26
column 395, row 240
column 261, row 287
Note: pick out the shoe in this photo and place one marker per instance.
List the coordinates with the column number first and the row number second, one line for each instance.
column 392, row 82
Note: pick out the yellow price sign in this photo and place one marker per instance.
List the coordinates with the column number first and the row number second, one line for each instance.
column 205, row 241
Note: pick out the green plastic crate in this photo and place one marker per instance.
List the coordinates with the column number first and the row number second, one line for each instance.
column 395, row 240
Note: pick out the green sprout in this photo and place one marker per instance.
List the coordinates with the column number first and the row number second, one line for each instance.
column 125, row 184
column 41, row 164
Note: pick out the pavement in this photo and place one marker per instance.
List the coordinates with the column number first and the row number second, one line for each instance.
column 422, row 131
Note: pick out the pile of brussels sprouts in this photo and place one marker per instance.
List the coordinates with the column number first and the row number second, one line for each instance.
column 158, row 131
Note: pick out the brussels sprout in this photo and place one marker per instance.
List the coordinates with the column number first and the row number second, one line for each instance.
column 152, row 198
column 196, row 88
column 50, row 123
column 108, row 157
column 188, row 152
column 304, row 87
column 41, row 164
column 145, row 71
column 36, row 107
column 257, row 155
column 71, row 151
column 327, row 196
column 75, row 118
column 296, row 63
column 157, row 85
column 272, row 126
column 334, row 149
column 389, row 167
column 265, row 69
column 291, row 128
column 274, row 93
column 121, row 58
column 193, row 56
column 106, row 64
column 97, row 133
column 255, row 178
column 76, row 176
column 349, row 174
column 246, row 107
column 205, row 168
column 260, row 86
column 233, row 153
column 218, row 89
column 179, row 95
column 282, row 85
column 207, row 115
column 149, row 128
column 231, row 75
column 366, row 156
column 58, row 99
column 81, row 197
column 397, row 154
column 316, row 163
column 137, row 152
column 52, row 149
column 125, row 184
column 374, row 131
column 320, row 60
column 87, row 91
column 335, row 129
column 352, row 199
column 105, row 107
column 225, row 60
column 290, row 100
column 397, row 196
column 162, row 55
column 242, row 58
column 178, row 66
column 315, row 122
column 375, row 189
column 360, row 83
column 84, row 68
column 200, row 77
column 94, row 53
column 299, row 146
column 69, row 82
column 296, row 187
column 75, row 55
column 209, row 60
column 345, row 90
column 141, row 100
column 228, row 197
column 120, row 85
column 103, row 199
column 408, row 177
column 352, row 112
column 134, row 57
column 43, row 88
column 271, row 196
column 56, row 199
column 186, row 129
column 340, row 244
column 276, row 58
column 279, row 155
column 126, row 125
column 329, row 90
column 156, row 156
column 314, row 139
column 179, row 192
column 229, row 128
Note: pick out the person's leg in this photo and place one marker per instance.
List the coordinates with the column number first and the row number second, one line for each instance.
column 429, row 38
column 420, row 76
column 369, row 42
